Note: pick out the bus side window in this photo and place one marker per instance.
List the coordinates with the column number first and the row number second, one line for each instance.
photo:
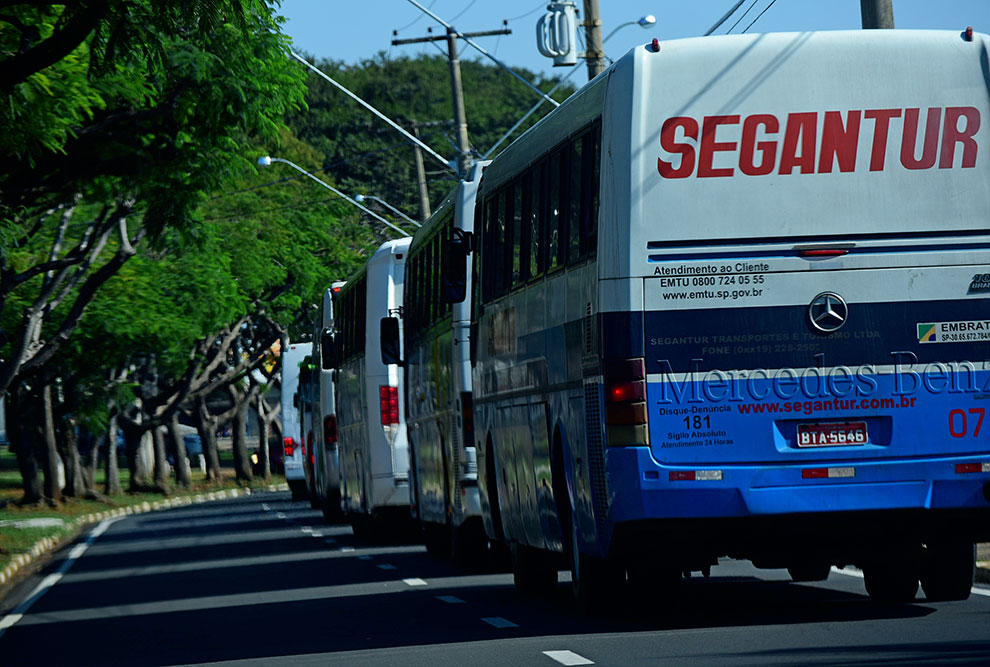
column 553, row 214
column 591, row 168
column 503, row 260
column 537, row 240
column 488, row 248
column 525, row 228
column 573, row 171
column 516, row 209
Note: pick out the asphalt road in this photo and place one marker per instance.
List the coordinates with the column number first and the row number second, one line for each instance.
column 262, row 581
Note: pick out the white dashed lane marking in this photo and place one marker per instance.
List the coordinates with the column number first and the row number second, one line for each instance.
column 568, row 658
column 499, row 622
column 414, row 582
column 450, row 599
column 386, row 566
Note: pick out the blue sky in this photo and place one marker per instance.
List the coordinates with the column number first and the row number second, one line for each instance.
column 352, row 30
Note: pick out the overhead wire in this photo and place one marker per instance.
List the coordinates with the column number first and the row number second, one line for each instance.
column 760, row 14
column 753, row 4
column 461, row 13
column 415, row 20
column 539, row 6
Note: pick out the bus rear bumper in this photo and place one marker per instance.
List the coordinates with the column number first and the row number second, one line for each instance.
column 642, row 489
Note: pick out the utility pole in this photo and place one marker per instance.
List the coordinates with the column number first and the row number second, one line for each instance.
column 877, row 14
column 593, row 38
column 424, row 194
column 456, row 89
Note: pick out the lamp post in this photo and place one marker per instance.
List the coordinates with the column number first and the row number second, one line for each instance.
column 644, row 22
column 359, row 198
column 266, row 161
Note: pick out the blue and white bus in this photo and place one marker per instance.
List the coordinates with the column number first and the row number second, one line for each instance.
column 437, row 363
column 734, row 302
column 326, row 468
column 372, row 450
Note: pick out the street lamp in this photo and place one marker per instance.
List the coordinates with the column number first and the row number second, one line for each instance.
column 266, row 161
column 359, row 198
column 644, row 22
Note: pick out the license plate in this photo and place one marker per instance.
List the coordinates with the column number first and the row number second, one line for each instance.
column 831, row 435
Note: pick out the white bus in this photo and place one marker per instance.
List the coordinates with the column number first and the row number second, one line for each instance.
column 371, row 427
column 437, row 366
column 734, row 300
column 326, row 465
column 292, row 433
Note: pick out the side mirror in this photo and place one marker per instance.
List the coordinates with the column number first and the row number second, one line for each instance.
column 328, row 350
column 390, row 341
column 454, row 270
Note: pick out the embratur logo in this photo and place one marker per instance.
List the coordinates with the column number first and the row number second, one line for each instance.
column 926, row 333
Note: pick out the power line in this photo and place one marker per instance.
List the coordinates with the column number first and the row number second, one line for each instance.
column 761, row 14
column 415, row 20
column 753, row 4
column 530, row 12
column 727, row 15
column 461, row 13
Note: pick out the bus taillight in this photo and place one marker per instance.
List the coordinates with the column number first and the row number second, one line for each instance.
column 288, row 446
column 388, row 398
column 330, row 430
column 625, row 402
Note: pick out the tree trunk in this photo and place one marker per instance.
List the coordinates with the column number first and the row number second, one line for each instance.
column 161, row 461
column 206, row 426
column 265, row 461
column 75, row 483
column 183, row 476
column 242, row 464
column 135, row 460
column 112, row 485
column 88, row 456
column 23, row 436
column 52, row 461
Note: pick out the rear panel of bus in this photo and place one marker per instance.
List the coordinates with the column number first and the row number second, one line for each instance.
column 809, row 249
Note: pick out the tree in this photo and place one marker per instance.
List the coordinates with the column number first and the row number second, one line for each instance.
column 132, row 150
column 123, row 115
column 365, row 155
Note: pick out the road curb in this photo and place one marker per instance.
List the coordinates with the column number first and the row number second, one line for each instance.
column 48, row 544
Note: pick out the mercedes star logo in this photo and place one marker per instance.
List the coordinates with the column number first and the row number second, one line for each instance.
column 828, row 312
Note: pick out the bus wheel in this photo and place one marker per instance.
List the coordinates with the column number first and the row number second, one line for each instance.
column 533, row 571
column 891, row 579
column 331, row 507
column 469, row 545
column 435, row 539
column 809, row 571
column 947, row 570
column 594, row 580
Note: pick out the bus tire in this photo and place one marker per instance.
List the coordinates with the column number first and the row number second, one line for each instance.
column 435, row 537
column 533, row 571
column 809, row 571
column 595, row 581
column 891, row 580
column 947, row 571
column 332, row 513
